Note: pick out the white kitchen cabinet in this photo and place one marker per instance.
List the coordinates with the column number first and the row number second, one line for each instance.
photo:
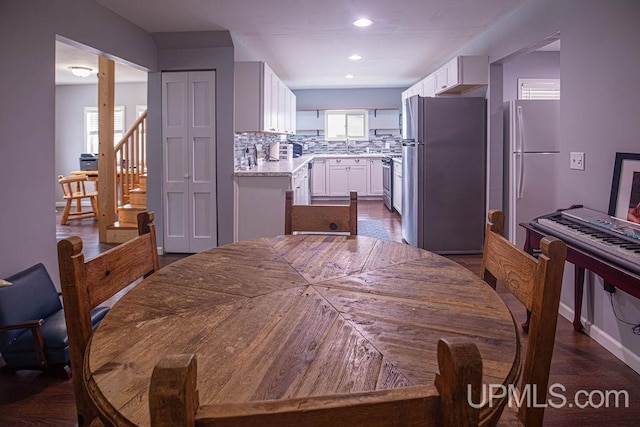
column 397, row 185
column 338, row 179
column 347, row 175
column 375, row 178
column 263, row 103
column 358, row 178
column 300, row 186
column 461, row 74
column 428, row 86
column 319, row 178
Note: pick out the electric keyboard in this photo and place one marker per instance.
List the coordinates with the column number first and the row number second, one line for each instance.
column 614, row 240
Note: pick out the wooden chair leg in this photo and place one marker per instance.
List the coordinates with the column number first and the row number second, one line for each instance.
column 65, row 213
column 94, row 205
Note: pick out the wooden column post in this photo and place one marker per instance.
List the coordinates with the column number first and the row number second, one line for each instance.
column 106, row 163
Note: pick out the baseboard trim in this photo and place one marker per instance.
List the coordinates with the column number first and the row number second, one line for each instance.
column 604, row 339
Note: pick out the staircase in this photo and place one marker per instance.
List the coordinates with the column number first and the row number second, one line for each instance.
column 131, row 182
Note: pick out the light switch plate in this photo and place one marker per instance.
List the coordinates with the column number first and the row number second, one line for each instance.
column 577, row 161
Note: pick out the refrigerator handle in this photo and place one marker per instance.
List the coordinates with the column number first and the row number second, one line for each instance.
column 520, row 150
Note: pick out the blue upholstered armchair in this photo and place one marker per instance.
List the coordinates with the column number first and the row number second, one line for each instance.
column 33, row 333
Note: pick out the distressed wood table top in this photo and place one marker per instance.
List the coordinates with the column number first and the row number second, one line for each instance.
column 295, row 316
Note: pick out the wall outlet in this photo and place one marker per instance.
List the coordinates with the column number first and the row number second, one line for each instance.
column 577, row 161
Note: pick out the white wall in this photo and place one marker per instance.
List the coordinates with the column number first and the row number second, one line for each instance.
column 28, row 30
column 312, row 99
column 535, row 65
column 69, row 125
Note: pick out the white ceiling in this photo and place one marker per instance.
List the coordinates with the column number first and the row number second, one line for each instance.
column 67, row 56
column 307, row 42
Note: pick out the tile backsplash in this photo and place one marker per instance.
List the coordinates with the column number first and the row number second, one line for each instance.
column 244, row 143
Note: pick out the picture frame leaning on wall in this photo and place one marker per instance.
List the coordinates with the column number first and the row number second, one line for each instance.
column 624, row 201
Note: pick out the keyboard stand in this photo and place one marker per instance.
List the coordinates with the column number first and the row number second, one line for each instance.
column 621, row 278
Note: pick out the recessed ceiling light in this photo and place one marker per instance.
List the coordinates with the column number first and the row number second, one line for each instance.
column 80, row 71
column 348, row 76
column 355, row 57
column 362, row 22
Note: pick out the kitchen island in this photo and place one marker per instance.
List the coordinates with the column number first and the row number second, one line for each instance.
column 259, row 196
column 260, row 190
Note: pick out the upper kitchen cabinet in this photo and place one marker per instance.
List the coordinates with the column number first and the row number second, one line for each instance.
column 425, row 87
column 263, row 103
column 461, row 74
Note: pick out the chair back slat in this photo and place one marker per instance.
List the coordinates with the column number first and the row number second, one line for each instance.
column 515, row 269
column 123, row 264
column 321, row 218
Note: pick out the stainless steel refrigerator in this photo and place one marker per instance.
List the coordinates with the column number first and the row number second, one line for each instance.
column 533, row 152
column 443, row 176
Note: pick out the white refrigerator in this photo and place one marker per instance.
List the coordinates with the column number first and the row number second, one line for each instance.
column 533, row 154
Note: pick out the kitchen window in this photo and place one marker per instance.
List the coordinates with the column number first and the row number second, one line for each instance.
column 91, row 127
column 346, row 124
column 538, row 88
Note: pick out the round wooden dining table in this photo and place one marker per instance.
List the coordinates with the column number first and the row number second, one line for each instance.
column 295, row 316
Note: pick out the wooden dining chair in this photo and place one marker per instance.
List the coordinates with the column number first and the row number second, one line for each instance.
column 536, row 283
column 74, row 190
column 86, row 284
column 174, row 399
column 321, row 218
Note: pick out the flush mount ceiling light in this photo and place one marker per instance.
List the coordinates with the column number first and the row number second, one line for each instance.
column 348, row 76
column 362, row 22
column 355, row 57
column 80, row 71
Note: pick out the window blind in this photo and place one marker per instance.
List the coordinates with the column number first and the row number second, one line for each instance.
column 538, row 88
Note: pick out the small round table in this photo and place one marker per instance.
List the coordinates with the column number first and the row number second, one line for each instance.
column 295, row 316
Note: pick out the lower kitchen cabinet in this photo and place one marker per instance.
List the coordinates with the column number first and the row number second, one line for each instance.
column 397, row 185
column 375, row 178
column 300, row 187
column 347, row 175
column 319, row 178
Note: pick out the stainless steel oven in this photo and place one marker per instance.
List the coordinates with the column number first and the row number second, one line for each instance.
column 387, row 182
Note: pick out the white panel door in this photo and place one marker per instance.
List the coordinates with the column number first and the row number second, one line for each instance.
column 188, row 135
column 202, row 184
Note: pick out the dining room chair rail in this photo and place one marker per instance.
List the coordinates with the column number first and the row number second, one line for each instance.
column 321, row 218
column 175, row 400
column 537, row 284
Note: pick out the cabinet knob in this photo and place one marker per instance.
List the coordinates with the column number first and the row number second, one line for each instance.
column 338, row 161
column 357, row 160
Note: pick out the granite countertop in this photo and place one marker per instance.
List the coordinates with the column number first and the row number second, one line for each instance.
column 279, row 168
column 289, row 167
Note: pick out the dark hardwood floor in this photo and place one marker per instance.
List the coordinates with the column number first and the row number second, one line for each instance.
column 30, row 398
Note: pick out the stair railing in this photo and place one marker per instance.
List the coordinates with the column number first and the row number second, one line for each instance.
column 131, row 159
